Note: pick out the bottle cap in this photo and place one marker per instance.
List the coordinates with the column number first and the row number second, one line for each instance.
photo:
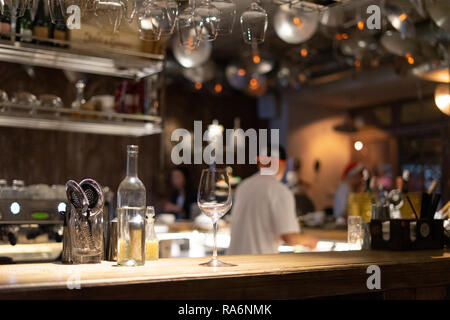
column 150, row 213
column 132, row 148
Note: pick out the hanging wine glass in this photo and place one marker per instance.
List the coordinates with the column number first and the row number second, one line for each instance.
column 295, row 23
column 169, row 18
column 16, row 10
column 149, row 18
column 32, row 8
column 254, row 24
column 114, row 10
column 55, row 9
column 192, row 57
column 206, row 18
column 227, row 16
column 187, row 31
column 131, row 10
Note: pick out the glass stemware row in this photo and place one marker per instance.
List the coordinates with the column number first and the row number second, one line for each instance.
column 202, row 20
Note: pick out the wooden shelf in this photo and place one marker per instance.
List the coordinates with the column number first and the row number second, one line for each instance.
column 65, row 119
column 93, row 60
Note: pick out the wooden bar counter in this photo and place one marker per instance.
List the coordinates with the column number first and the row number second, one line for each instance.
column 419, row 274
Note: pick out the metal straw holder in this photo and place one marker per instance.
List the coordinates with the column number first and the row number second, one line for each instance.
column 86, row 237
column 405, row 234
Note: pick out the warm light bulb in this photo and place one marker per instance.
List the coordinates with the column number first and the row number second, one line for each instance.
column 198, row 85
column 218, row 88
column 256, row 59
column 360, row 25
column 254, row 84
column 297, row 22
column 358, row 145
column 442, row 98
column 409, row 58
column 241, row 72
column 304, row 52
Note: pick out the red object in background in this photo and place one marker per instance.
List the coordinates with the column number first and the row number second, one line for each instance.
column 130, row 97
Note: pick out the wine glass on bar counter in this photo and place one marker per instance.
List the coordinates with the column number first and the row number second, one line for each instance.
column 214, row 200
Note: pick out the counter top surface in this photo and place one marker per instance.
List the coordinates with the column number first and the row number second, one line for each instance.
column 52, row 276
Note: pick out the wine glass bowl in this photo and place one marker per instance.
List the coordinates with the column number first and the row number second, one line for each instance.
column 214, row 201
column 206, row 19
column 254, row 23
column 227, row 16
column 148, row 21
column 187, row 31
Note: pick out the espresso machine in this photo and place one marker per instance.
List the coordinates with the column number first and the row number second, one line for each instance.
column 32, row 221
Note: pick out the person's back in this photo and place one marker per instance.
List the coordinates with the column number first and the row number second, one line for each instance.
column 263, row 210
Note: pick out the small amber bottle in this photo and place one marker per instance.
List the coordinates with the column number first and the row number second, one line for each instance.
column 151, row 239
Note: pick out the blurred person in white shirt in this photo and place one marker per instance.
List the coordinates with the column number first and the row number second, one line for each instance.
column 263, row 214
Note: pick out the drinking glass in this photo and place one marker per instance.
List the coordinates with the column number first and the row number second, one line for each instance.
column 254, row 24
column 131, row 9
column 214, row 200
column 3, row 101
column 86, row 235
column 186, row 29
column 25, row 99
column 170, row 8
column 227, row 16
column 16, row 10
column 149, row 18
column 355, row 234
column 51, row 101
column 113, row 10
column 206, row 18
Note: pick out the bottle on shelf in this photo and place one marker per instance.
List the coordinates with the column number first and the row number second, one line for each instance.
column 79, row 101
column 42, row 24
column 131, row 211
column 25, row 28
column 5, row 25
column 60, row 30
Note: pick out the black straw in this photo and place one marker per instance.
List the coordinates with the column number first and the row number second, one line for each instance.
column 412, row 207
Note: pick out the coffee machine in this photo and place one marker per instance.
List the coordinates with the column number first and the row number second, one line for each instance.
column 32, row 221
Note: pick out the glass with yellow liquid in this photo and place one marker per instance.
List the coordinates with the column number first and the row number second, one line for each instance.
column 151, row 240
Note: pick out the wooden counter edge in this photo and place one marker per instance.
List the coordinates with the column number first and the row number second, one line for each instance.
column 318, row 281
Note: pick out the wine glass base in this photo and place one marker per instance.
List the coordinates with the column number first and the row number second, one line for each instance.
column 216, row 263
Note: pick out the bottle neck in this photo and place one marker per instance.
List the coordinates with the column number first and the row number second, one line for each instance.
column 132, row 164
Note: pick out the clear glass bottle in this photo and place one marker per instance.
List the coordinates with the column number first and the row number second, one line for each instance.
column 151, row 239
column 131, row 214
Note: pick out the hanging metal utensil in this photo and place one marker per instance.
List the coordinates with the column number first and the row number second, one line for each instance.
column 80, row 231
column 94, row 194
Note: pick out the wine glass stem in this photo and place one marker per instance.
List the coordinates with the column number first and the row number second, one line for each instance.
column 215, row 241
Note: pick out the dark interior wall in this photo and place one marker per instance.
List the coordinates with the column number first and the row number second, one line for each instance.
column 184, row 105
column 53, row 157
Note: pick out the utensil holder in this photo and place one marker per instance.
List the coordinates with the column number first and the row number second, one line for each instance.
column 86, row 236
column 403, row 234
